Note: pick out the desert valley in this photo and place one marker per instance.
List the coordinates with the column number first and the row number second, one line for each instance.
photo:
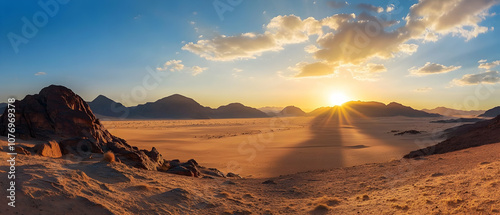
column 234, row 107
column 340, row 160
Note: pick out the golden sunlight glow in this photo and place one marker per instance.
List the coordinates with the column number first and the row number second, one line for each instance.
column 338, row 98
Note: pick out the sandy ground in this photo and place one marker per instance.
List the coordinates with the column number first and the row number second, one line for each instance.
column 271, row 147
column 462, row 182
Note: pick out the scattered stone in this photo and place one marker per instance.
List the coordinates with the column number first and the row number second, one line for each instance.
column 233, row 175
column 269, row 182
column 50, row 149
column 180, row 170
column 484, row 163
column 229, row 183
column 408, row 132
column 21, row 150
column 437, row 174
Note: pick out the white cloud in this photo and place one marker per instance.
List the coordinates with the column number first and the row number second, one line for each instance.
column 353, row 40
column 461, row 18
column 305, row 69
column 489, row 77
column 389, row 8
column 370, row 7
column 40, row 73
column 311, row 49
column 423, row 90
column 432, row 68
column 280, row 31
column 484, row 65
column 172, row 65
column 197, row 70
column 368, row 72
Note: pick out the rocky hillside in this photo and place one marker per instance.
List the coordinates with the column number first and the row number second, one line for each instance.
column 491, row 113
column 466, row 136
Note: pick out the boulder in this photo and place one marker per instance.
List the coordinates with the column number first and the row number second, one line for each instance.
column 49, row 149
column 21, row 150
column 181, row 170
column 233, row 175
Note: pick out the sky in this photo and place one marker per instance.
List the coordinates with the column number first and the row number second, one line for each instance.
column 423, row 54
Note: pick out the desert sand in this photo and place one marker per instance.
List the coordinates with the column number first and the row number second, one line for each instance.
column 269, row 147
column 461, row 182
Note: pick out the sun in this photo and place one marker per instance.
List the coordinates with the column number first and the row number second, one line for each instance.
column 338, row 98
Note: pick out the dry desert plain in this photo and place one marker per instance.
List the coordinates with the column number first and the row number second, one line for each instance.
column 461, row 182
column 269, row 147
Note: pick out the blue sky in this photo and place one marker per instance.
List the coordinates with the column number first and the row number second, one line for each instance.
column 111, row 47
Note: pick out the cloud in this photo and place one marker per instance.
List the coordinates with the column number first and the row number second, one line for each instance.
column 368, row 72
column 484, row 65
column 311, row 49
column 432, row 68
column 313, row 69
column 337, row 4
column 423, row 90
column 389, row 8
column 490, row 77
column 172, row 65
column 461, row 18
column 40, row 73
column 370, row 7
column 237, row 70
column 280, row 31
column 347, row 39
column 197, row 70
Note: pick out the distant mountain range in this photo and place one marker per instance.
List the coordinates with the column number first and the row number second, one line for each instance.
column 180, row 107
column 453, row 112
column 172, row 107
column 372, row 109
column 494, row 112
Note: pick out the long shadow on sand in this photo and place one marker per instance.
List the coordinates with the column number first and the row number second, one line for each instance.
column 322, row 151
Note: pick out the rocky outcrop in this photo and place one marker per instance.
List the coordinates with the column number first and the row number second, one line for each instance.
column 65, row 121
column 481, row 133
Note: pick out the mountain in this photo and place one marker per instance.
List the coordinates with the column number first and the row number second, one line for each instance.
column 466, row 136
column 272, row 111
column 491, row 112
column 292, row 111
column 172, row 107
column 453, row 112
column 2, row 107
column 237, row 110
column 372, row 109
column 104, row 106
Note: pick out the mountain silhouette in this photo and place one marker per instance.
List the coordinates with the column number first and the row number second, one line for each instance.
column 292, row 111
column 104, row 106
column 453, row 112
column 172, row 107
column 372, row 109
column 237, row 110
column 491, row 112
